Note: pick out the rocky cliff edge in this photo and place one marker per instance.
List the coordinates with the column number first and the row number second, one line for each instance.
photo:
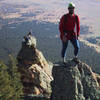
column 70, row 81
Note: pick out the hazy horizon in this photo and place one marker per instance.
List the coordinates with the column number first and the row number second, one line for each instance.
column 52, row 10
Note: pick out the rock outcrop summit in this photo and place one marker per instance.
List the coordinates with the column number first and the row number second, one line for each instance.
column 74, row 81
column 70, row 81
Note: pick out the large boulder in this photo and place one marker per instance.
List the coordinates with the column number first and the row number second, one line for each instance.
column 36, row 72
column 74, row 81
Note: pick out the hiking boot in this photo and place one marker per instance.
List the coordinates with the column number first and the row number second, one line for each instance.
column 63, row 60
column 75, row 59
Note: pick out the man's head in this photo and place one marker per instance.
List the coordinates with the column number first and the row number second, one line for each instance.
column 29, row 34
column 71, row 8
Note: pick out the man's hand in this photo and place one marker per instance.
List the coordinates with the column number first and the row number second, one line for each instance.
column 64, row 39
column 77, row 36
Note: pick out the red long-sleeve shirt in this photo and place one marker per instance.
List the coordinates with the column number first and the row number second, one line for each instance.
column 68, row 26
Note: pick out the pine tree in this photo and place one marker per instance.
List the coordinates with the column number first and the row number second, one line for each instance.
column 15, row 78
column 6, row 90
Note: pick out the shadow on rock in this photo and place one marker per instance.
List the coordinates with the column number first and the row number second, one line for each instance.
column 35, row 98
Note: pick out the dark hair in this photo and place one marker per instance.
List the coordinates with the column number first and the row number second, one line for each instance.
column 29, row 33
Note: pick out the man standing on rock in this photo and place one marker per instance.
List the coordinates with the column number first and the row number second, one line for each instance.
column 68, row 23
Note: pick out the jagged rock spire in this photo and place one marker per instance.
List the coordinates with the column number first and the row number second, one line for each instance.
column 35, row 70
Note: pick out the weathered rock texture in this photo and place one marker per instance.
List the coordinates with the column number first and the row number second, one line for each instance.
column 35, row 70
column 70, row 81
column 74, row 81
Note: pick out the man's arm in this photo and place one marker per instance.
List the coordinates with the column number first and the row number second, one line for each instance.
column 78, row 26
column 61, row 27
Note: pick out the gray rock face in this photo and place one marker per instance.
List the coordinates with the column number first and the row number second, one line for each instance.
column 74, row 81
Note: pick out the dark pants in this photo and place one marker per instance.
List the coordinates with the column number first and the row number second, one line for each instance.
column 74, row 42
